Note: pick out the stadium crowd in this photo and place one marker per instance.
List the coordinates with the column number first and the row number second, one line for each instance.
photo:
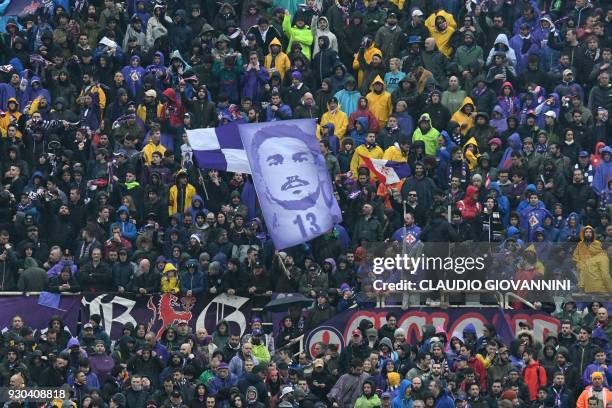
column 500, row 108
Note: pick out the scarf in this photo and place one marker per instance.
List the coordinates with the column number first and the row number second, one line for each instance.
column 345, row 13
column 592, row 54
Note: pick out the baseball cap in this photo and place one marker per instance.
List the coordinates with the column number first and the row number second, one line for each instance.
column 385, row 395
column 285, row 391
column 182, row 321
column 223, row 366
column 371, row 332
column 175, row 394
column 88, row 326
column 583, row 153
column 567, row 71
column 318, row 363
column 552, row 114
column 151, row 93
column 417, row 12
column 356, row 332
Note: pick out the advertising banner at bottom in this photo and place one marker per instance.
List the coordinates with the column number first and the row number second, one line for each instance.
column 453, row 321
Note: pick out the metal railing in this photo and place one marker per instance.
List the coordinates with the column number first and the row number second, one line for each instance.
column 473, row 299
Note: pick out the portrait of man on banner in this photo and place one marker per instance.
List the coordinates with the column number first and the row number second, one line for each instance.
column 291, row 180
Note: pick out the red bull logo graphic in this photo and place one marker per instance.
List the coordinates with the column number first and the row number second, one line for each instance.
column 167, row 312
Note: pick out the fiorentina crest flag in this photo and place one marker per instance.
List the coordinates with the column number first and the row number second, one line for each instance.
column 219, row 148
column 387, row 171
column 291, row 179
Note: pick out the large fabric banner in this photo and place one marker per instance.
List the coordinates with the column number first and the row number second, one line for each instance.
column 291, row 180
column 338, row 329
column 157, row 312
column 37, row 316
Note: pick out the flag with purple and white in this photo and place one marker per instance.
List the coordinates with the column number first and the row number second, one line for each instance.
column 219, row 148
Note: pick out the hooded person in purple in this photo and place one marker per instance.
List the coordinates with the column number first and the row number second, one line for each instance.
column 253, row 78
column 603, row 174
column 523, row 44
column 514, row 144
column 532, row 216
column 133, row 75
column 35, row 90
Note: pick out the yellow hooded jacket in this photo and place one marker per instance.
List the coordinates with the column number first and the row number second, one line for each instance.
column 465, row 121
column 367, row 55
column 141, row 112
column 380, row 104
column 338, row 118
column 471, row 157
column 169, row 284
column 8, row 117
column 592, row 265
column 442, row 38
column 362, row 150
column 281, row 61
column 394, row 153
column 173, row 201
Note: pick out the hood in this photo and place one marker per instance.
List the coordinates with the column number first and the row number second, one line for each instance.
column 197, row 198
column 341, row 65
column 232, row 11
column 169, row 267
column 502, row 39
column 170, row 94
column 331, row 128
column 469, row 195
column 206, row 28
column 123, row 208
column 584, row 229
column 495, row 186
column 29, row 262
column 467, row 101
column 507, row 84
column 161, row 57
column 387, row 342
column 363, row 121
column 252, row 389
column 514, row 142
column 606, row 149
column 177, row 55
column 426, row 117
column 13, row 100
column 470, row 328
column 377, row 80
column 275, row 41
column 73, row 342
column 403, row 387
column 546, row 17
column 324, row 38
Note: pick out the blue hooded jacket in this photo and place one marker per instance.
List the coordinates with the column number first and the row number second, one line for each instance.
column 400, row 401
column 334, row 141
column 128, row 228
column 359, row 137
column 603, row 174
column 348, row 99
column 514, row 143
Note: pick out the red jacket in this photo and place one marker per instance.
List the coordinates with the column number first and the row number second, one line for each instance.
column 480, row 371
column 173, row 109
column 470, row 207
column 534, row 376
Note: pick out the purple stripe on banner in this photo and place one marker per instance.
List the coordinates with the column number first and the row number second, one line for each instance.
column 229, row 137
column 210, row 159
column 401, row 169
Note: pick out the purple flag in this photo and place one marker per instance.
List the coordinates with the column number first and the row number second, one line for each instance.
column 49, row 299
column 291, row 179
column 503, row 327
column 249, row 198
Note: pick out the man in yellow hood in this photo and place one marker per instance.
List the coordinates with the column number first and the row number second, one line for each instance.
column 592, row 263
column 277, row 60
column 368, row 149
column 12, row 115
column 369, row 51
column 465, row 115
column 379, row 101
column 335, row 116
column 442, row 26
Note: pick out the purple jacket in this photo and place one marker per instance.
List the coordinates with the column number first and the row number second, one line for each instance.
column 252, row 81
